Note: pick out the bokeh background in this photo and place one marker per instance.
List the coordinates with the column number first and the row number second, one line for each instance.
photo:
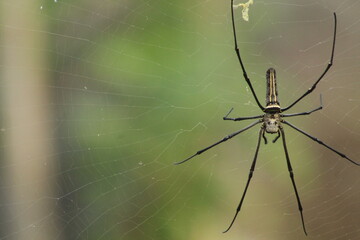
column 99, row 98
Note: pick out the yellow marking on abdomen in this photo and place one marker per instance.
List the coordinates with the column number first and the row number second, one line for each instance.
column 272, row 85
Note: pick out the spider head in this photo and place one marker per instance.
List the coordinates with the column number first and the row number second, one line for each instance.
column 271, row 122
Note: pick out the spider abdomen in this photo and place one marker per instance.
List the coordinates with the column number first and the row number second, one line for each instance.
column 271, row 88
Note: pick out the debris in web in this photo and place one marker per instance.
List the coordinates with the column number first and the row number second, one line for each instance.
column 245, row 9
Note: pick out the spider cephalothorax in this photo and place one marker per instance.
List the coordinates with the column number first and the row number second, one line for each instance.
column 272, row 120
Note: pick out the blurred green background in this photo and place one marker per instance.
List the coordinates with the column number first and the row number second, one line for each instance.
column 99, row 98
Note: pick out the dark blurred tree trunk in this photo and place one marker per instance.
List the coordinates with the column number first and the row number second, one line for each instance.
column 28, row 165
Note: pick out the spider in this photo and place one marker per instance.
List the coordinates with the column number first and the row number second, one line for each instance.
column 272, row 120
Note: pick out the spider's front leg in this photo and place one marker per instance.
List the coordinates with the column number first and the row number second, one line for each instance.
column 218, row 142
column 293, row 179
column 322, row 143
column 252, row 169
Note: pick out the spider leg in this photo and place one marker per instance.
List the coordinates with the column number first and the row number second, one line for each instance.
column 239, row 58
column 221, row 141
column 292, row 179
column 277, row 137
column 304, row 113
column 248, row 181
column 322, row 75
column 320, row 142
column 240, row 118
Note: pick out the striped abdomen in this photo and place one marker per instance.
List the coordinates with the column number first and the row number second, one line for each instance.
column 271, row 89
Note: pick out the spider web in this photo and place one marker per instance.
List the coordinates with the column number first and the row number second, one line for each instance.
column 138, row 85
